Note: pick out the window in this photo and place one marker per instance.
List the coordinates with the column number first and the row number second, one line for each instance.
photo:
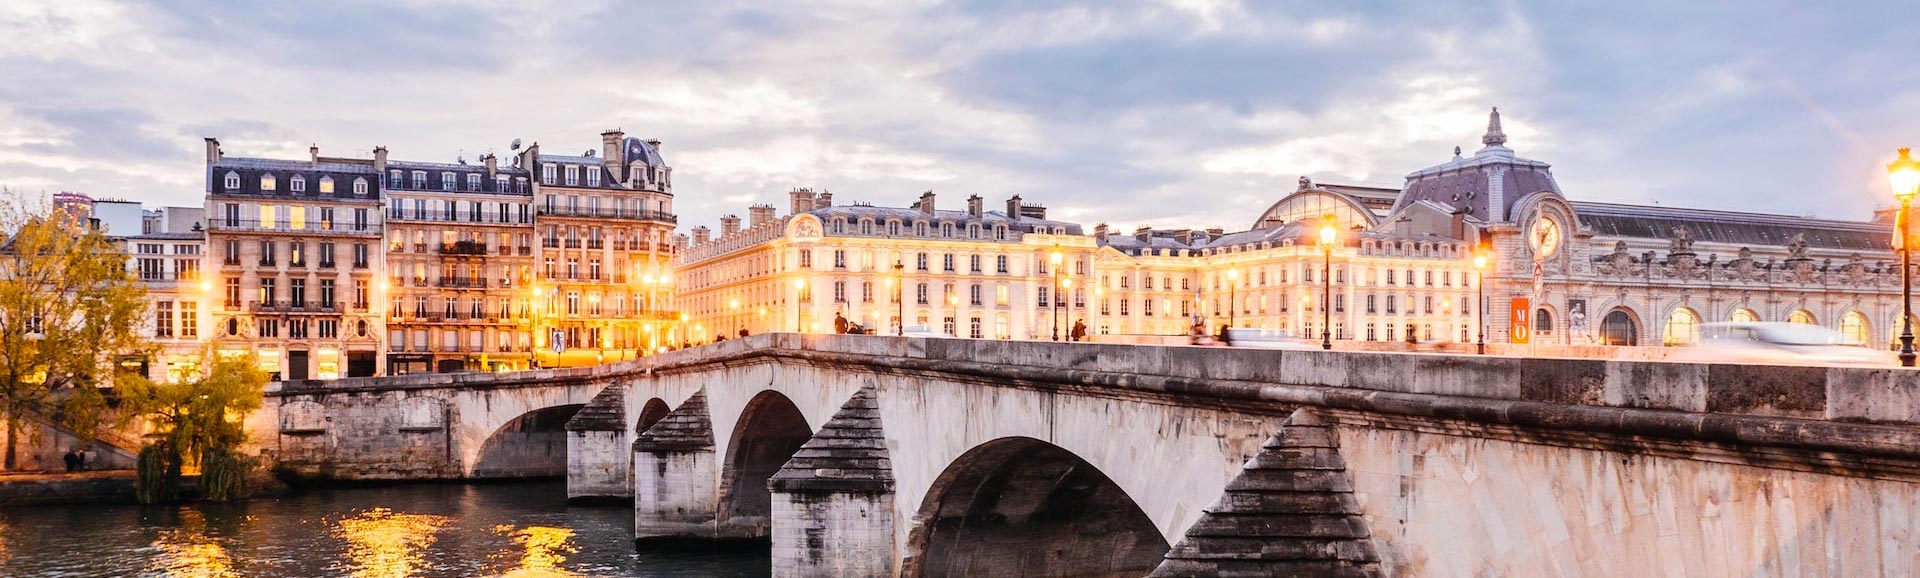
column 947, row 262
column 593, row 177
column 1854, row 328
column 839, row 291
column 297, row 184
column 547, row 171
column 420, row 179
column 1801, row 317
column 326, row 185
column 393, row 180
column 806, row 259
column 269, row 328
column 973, row 294
column 1617, row 328
column 163, row 319
column 999, row 264
column 920, row 294
column 839, row 258
column 267, row 183
column 233, row 292
column 573, row 175
column 232, row 181
column 920, row 261
column 973, row 263
column 189, row 319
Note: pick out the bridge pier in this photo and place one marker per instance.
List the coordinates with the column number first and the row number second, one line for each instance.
column 833, row 506
column 598, row 458
column 675, row 494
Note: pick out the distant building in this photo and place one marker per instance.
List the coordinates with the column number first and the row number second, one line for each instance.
column 968, row 272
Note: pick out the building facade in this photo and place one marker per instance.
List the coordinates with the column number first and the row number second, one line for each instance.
column 971, row 273
column 179, row 296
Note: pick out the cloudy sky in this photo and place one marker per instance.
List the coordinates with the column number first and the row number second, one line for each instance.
column 1169, row 113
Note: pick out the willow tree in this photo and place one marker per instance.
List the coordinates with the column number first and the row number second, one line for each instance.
column 69, row 309
column 197, row 420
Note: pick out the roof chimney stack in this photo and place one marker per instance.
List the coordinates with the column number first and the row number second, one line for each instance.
column 729, row 224
column 926, row 203
column 823, row 200
column 1013, row 208
column 758, row 215
column 1100, row 233
column 975, row 205
column 313, row 154
column 612, row 149
column 380, row 162
column 1144, row 234
column 799, row 201
column 213, row 150
column 700, row 235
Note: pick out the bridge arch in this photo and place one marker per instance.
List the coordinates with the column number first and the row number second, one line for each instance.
column 650, row 413
column 771, row 428
column 534, row 444
column 1019, row 506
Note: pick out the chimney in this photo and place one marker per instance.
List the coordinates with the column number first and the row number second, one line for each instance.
column 380, row 162
column 313, row 154
column 799, row 201
column 975, row 205
column 1100, row 233
column 1215, row 233
column 1013, row 208
column 656, row 146
column 611, row 149
column 758, row 215
column 926, row 203
column 1144, row 234
column 680, row 243
column 213, row 150
column 823, row 200
column 729, row 224
column 493, row 167
column 700, row 235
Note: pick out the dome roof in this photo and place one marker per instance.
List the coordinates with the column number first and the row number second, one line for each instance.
column 640, row 151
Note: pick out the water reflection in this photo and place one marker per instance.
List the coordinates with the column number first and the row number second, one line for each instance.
column 187, row 551
column 544, row 550
column 384, row 544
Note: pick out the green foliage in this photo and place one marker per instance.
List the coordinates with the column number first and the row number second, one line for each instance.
column 201, row 421
column 69, row 307
column 158, row 481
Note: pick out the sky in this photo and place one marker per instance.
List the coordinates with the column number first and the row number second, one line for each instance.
column 1170, row 113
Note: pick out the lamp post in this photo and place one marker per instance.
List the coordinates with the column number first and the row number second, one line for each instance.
column 1056, row 259
column 799, row 291
column 733, row 314
column 953, row 300
column 1233, row 295
column 899, row 298
column 1066, row 287
column 1904, row 175
column 1480, row 310
column 1327, row 234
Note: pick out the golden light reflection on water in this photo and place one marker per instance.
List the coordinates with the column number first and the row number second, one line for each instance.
column 383, row 544
column 187, row 551
column 544, row 550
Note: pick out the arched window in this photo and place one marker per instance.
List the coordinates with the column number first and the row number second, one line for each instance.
column 1542, row 320
column 1617, row 328
column 1683, row 328
column 267, row 183
column 1854, row 328
column 232, row 180
column 1802, row 317
column 1744, row 316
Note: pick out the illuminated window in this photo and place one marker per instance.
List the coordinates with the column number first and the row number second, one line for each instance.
column 1801, row 317
column 1854, row 328
column 326, row 185
column 267, row 182
column 1745, row 316
column 1683, row 328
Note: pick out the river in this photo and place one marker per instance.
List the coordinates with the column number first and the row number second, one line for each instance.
column 507, row 529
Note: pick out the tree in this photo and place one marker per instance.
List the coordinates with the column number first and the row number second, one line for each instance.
column 69, row 308
column 200, row 420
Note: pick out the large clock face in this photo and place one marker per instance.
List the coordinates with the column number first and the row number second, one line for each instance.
column 1544, row 237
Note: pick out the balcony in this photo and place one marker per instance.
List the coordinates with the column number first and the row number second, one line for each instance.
column 463, row 282
column 525, row 250
column 550, row 243
column 595, row 244
column 609, row 213
column 573, row 243
column 293, row 307
column 463, row 248
column 285, row 228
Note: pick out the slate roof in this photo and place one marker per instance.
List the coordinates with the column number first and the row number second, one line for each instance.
column 987, row 219
column 848, row 454
column 1730, row 227
column 687, row 428
column 1290, row 512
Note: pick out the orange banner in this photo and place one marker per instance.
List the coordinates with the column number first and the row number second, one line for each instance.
column 1520, row 321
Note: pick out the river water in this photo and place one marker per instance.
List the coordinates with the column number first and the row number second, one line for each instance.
column 510, row 529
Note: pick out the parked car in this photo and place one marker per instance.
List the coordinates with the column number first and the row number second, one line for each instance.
column 1788, row 343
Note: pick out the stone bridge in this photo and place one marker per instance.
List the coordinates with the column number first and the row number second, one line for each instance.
column 885, row 456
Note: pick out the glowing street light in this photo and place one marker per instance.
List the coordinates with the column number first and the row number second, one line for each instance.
column 1327, row 236
column 1480, row 284
column 1233, row 295
column 1056, row 259
column 1904, row 176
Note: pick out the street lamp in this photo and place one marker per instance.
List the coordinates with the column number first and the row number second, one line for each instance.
column 1233, row 294
column 1904, row 175
column 1065, row 288
column 899, row 298
column 799, row 291
column 953, row 300
column 1480, row 310
column 1056, row 259
column 1327, row 234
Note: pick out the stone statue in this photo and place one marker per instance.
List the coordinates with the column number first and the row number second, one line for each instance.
column 1682, row 241
column 1797, row 247
column 1305, row 182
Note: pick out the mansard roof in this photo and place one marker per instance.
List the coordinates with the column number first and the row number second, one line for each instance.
column 987, row 219
column 1731, row 227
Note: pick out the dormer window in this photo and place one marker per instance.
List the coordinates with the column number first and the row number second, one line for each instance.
column 593, row 177
column 1000, row 232
column 893, row 228
column 473, row 182
column 298, row 184
column 267, row 183
column 866, row 227
column 946, row 230
column 839, row 226
column 546, row 173
column 920, row 228
column 393, row 180
column 360, row 186
column 232, row 180
column 326, row 185
column 973, row 231
column 500, row 183
column 447, row 181
column 419, row 179
column 573, row 175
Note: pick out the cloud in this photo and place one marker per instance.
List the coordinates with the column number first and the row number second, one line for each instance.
column 1162, row 112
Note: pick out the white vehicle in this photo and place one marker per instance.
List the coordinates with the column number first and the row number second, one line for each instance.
column 922, row 331
column 1264, row 339
column 1783, row 343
